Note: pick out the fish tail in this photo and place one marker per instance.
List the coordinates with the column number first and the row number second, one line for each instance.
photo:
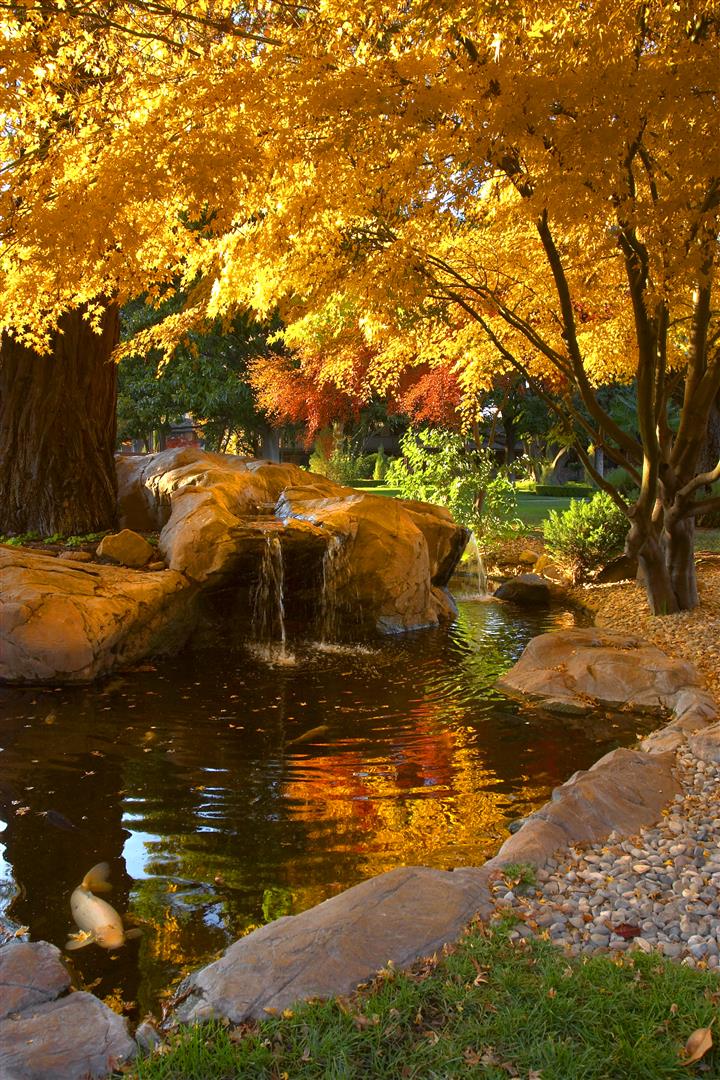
column 96, row 880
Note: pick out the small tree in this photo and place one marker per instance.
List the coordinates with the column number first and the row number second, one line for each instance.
column 438, row 466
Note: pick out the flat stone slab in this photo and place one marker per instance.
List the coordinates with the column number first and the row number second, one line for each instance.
column 573, row 670
column 30, row 974
column 63, row 621
column 74, row 1038
column 397, row 917
column 623, row 791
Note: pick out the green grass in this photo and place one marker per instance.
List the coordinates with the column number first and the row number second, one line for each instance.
column 490, row 1008
column 378, row 489
column 533, row 509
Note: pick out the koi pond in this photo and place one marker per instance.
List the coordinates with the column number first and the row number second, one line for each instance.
column 226, row 788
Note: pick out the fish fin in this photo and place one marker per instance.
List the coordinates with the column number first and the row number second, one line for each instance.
column 79, row 941
column 96, row 880
column 134, row 933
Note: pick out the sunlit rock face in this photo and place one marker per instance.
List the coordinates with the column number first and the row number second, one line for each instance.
column 62, row 621
column 391, row 559
column 353, row 562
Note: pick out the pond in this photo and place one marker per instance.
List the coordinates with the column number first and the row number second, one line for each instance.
column 225, row 790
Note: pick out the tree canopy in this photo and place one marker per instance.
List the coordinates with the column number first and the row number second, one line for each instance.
column 494, row 188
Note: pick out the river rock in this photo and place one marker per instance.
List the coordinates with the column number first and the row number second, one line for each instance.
column 570, row 670
column 30, row 974
column 74, row 1038
column 127, row 548
column 72, row 622
column 527, row 590
column 395, row 918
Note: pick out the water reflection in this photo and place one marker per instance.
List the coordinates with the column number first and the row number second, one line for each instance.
column 194, row 781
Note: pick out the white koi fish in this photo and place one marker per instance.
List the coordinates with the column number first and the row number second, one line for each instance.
column 98, row 922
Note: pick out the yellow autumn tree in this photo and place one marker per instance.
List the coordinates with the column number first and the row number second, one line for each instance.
column 511, row 187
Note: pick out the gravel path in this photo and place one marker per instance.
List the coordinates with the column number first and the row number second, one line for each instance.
column 658, row 891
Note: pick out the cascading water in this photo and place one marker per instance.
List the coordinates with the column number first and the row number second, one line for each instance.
column 471, row 573
column 479, row 566
column 268, row 604
column 334, row 566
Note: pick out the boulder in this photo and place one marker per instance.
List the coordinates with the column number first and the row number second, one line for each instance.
column 219, row 515
column 621, row 568
column 527, row 590
column 127, row 548
column 395, row 918
column 30, row 974
column 218, row 511
column 573, row 670
column 397, row 557
column 706, row 744
column 74, row 1038
column 73, row 622
column 623, row 791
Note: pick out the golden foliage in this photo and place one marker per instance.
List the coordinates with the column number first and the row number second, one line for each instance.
column 368, row 169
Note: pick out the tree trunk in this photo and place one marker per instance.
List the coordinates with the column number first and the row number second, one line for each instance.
column 653, row 571
column 57, row 431
column 679, row 543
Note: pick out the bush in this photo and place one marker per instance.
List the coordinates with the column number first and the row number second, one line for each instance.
column 437, row 466
column 586, row 534
column 343, row 466
column 381, row 465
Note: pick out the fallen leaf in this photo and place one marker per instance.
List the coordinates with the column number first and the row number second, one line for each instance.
column 697, row 1045
column 626, row 931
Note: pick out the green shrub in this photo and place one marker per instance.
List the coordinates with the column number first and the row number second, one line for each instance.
column 381, row 465
column 343, row 466
column 437, row 466
column 587, row 534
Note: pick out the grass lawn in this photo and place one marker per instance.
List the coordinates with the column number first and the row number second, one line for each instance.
column 533, row 509
column 490, row 1008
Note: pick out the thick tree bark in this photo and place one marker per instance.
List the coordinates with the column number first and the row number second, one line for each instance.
column 57, row 431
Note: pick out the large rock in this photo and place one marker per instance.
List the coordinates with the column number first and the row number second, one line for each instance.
column 217, row 511
column 527, row 590
column 126, row 547
column 61, row 621
column 72, row 622
column 623, row 791
column 397, row 917
column 147, row 483
column 30, row 974
column 572, row 670
column 398, row 556
column 74, row 1038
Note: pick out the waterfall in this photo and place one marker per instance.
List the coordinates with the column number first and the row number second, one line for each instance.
column 334, row 567
column 268, row 601
column 479, row 565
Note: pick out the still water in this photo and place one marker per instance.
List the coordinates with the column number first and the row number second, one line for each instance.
column 200, row 780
